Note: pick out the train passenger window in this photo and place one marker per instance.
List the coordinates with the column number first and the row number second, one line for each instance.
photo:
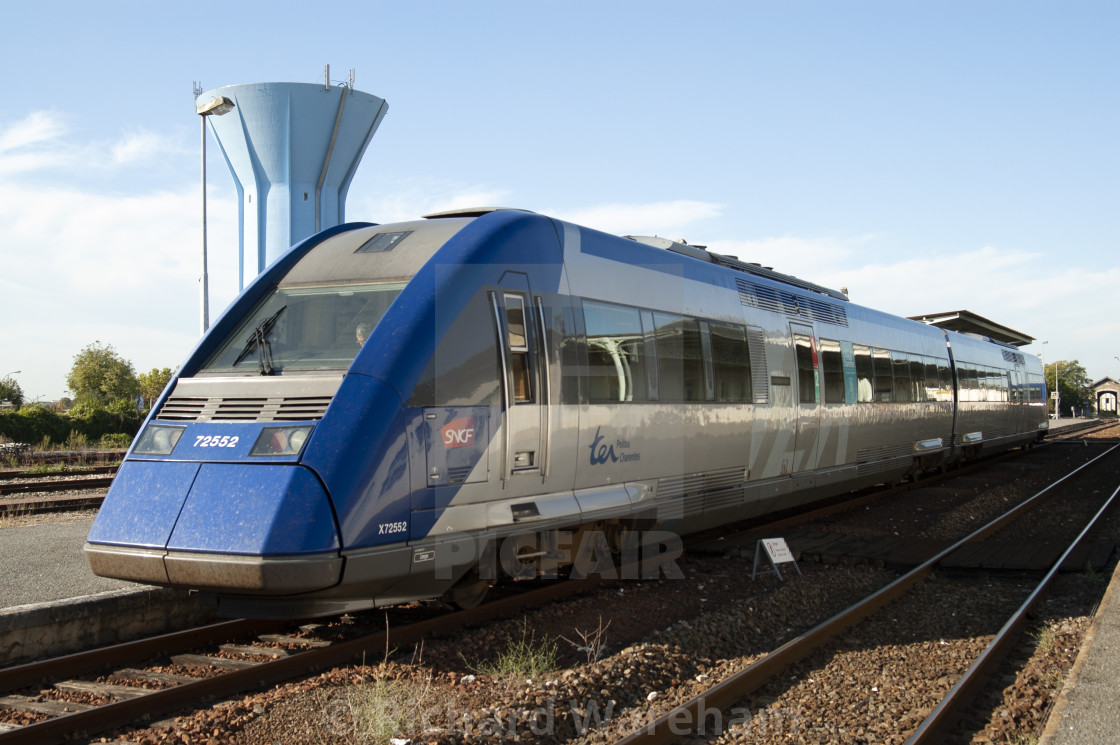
column 1037, row 388
column 806, row 370
column 616, row 353
column 970, row 385
column 903, row 393
column 865, row 375
column 884, row 377
column 518, row 337
column 680, row 364
column 1004, row 386
column 918, row 378
column 832, row 368
column 931, row 383
column 944, row 383
column 731, row 362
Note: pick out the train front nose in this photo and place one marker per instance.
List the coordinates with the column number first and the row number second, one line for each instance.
column 228, row 527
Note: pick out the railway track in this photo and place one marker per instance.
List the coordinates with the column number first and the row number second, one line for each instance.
column 224, row 662
column 33, row 482
column 31, row 473
column 55, row 484
column 686, row 718
column 74, row 666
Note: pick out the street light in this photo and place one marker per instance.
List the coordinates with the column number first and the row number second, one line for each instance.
column 213, row 107
column 1057, row 392
column 13, row 372
column 1043, row 360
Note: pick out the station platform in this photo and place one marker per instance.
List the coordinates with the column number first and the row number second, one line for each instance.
column 1087, row 711
column 50, row 602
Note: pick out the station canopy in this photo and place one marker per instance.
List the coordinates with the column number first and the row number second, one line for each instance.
column 967, row 322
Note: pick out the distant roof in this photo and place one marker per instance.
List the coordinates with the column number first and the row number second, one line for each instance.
column 1102, row 382
column 967, row 322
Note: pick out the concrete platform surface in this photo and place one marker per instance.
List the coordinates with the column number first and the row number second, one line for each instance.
column 1088, row 709
column 43, row 562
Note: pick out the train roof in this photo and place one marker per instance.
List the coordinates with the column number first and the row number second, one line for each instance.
column 967, row 322
column 732, row 262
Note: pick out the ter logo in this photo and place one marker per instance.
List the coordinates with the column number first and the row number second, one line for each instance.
column 458, row 433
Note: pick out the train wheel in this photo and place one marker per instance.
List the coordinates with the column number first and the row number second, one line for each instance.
column 469, row 591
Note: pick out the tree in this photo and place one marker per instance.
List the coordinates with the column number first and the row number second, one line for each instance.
column 10, row 391
column 152, row 383
column 1074, row 386
column 100, row 376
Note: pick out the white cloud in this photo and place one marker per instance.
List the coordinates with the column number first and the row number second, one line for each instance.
column 40, row 141
column 121, row 270
column 36, row 128
column 31, row 144
column 140, row 146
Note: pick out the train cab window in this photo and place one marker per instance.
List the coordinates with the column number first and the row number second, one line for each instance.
column 616, row 353
column 903, row 392
column 806, row 370
column 731, row 362
column 518, row 341
column 680, row 362
column 305, row 327
column 865, row 374
column 884, row 377
column 832, row 370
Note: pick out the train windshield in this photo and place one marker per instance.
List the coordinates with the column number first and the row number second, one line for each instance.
column 305, row 328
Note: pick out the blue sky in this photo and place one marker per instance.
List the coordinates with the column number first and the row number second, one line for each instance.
column 928, row 156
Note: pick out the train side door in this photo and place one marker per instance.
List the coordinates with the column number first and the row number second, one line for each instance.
column 525, row 384
column 808, row 398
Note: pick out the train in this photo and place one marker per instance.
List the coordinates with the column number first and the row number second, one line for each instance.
column 386, row 405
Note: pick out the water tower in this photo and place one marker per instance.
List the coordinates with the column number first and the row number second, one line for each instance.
column 292, row 149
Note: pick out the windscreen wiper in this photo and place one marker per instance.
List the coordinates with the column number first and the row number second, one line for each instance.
column 258, row 340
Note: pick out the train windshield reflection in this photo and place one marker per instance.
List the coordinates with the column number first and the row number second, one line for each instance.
column 305, row 328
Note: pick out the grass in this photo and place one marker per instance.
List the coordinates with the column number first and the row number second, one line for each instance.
column 385, row 708
column 523, row 657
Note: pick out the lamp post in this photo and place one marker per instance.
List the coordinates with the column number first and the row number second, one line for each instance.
column 1042, row 356
column 13, row 372
column 213, row 107
column 1057, row 392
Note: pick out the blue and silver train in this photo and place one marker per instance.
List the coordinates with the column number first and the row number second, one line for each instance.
column 387, row 403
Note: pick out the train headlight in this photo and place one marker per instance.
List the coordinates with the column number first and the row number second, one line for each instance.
column 281, row 440
column 158, row 439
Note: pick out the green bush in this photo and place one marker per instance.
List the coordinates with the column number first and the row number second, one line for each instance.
column 116, row 441
column 75, row 428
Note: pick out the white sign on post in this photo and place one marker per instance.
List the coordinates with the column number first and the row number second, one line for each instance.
column 777, row 552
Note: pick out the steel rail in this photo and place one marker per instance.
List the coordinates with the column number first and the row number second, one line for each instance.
column 26, row 473
column 50, row 485
column 41, row 505
column 20, row 676
column 124, row 712
column 963, row 694
column 668, row 728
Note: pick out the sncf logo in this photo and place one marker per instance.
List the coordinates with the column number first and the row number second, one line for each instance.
column 458, row 433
